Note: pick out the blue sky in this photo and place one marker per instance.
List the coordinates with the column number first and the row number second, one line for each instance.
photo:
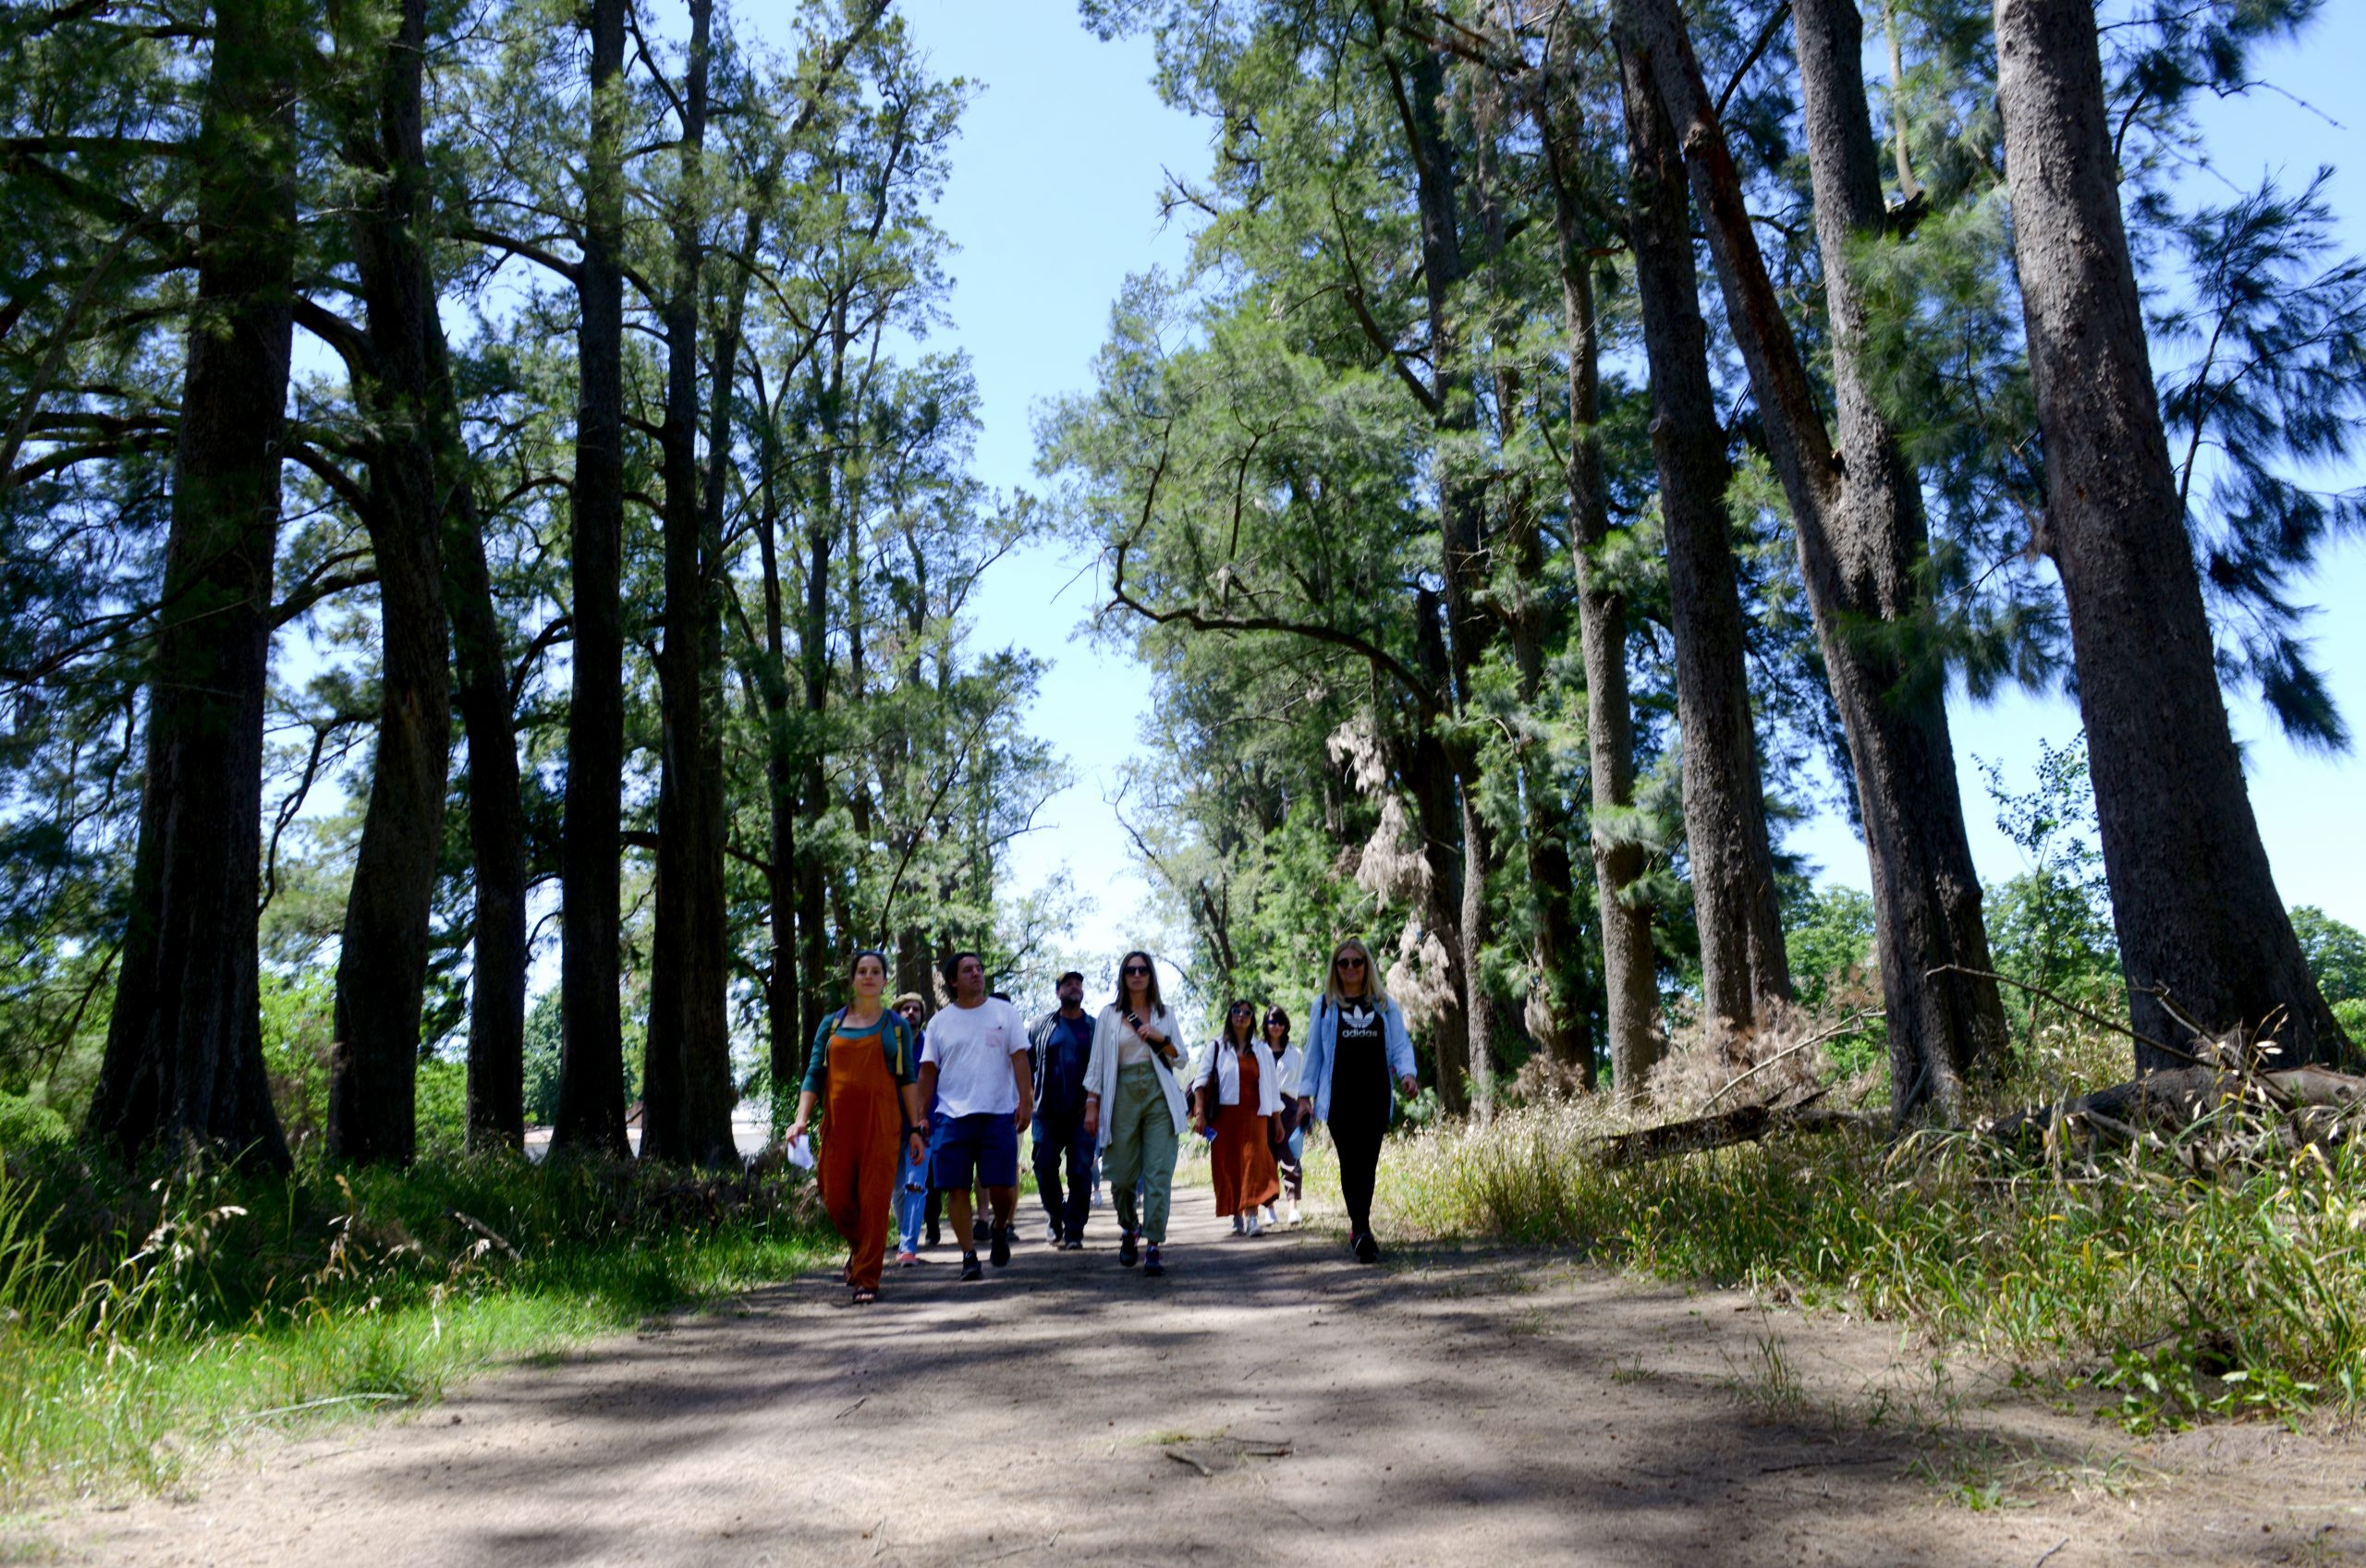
column 1052, row 202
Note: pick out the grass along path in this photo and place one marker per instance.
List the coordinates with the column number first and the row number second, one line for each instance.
column 1270, row 1402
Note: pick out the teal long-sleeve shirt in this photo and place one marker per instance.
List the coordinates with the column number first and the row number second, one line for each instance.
column 895, row 1033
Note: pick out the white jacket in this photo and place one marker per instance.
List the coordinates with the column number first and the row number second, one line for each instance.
column 1100, row 1067
column 1225, row 1072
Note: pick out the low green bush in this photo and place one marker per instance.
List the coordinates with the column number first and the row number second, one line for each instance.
column 142, row 1317
column 2181, row 1297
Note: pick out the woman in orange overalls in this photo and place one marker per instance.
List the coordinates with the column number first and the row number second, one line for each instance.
column 862, row 1059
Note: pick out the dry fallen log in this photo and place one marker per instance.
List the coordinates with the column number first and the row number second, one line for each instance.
column 1745, row 1123
column 2319, row 1103
column 2307, row 1105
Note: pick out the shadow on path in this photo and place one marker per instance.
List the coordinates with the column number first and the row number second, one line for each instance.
column 1270, row 1402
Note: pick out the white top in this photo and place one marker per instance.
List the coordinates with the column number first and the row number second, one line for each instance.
column 1226, row 1073
column 1101, row 1072
column 1287, row 1067
column 973, row 1048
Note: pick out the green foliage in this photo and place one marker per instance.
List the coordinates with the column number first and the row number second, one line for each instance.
column 543, row 1041
column 27, row 1123
column 2050, row 927
column 2336, row 952
column 298, row 1028
column 441, row 1098
column 2205, row 1297
column 1828, row 933
column 141, row 1326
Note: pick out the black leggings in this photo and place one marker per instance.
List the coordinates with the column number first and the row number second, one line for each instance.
column 1357, row 1138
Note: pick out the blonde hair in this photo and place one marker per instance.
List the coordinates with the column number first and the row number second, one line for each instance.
column 1374, row 991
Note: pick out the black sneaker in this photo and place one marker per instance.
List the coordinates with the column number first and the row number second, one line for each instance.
column 982, row 1228
column 1151, row 1267
column 1128, row 1250
column 1367, row 1249
column 970, row 1269
column 1073, row 1244
column 999, row 1254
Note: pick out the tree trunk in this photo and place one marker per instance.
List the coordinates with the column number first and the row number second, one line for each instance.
column 686, row 1087
column 592, row 1068
column 184, row 1055
column 1462, row 569
column 498, row 952
column 1734, row 898
column 2193, row 900
column 1861, row 540
column 1630, row 972
column 381, row 960
column 1421, row 761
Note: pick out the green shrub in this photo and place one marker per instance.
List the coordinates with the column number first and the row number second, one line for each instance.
column 27, row 1123
column 2199, row 1297
column 200, row 1303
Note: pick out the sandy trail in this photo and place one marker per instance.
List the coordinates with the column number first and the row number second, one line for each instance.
column 1269, row 1402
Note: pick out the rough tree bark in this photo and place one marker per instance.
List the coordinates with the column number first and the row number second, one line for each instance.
column 184, row 1055
column 1630, row 988
column 591, row 1073
column 498, row 952
column 1861, row 540
column 381, row 960
column 1742, row 959
column 687, row 1089
column 1462, row 567
column 2193, row 900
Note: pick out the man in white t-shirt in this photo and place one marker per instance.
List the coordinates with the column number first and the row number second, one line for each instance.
column 974, row 1065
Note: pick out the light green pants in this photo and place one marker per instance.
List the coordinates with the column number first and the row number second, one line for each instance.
column 1140, row 1140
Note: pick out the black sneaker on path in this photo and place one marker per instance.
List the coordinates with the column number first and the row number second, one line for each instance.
column 1367, row 1249
column 1073, row 1244
column 1128, row 1250
column 970, row 1269
column 1151, row 1267
column 999, row 1254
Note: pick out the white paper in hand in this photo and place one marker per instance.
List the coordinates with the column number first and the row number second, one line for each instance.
column 800, row 1152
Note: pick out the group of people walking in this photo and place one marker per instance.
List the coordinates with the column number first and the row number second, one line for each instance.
column 916, row 1108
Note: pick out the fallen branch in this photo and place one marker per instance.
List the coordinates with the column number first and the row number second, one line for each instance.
column 2317, row 1100
column 1746, row 1123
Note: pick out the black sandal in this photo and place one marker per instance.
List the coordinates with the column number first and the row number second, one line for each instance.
column 863, row 1297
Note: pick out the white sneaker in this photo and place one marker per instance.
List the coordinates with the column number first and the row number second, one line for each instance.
column 1237, row 1226
column 1266, row 1215
column 1289, row 1213
column 1255, row 1228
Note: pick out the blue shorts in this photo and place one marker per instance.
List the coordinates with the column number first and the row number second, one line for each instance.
column 984, row 1148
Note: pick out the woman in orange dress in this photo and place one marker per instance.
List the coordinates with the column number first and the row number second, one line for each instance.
column 1240, row 1098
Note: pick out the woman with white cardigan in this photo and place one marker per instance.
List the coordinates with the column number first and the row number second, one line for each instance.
column 1240, row 1101
column 1133, row 1103
column 1355, row 1047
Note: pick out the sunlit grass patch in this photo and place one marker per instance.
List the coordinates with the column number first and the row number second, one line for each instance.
column 136, row 1332
column 2179, row 1297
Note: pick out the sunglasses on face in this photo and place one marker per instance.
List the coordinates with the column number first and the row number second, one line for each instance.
column 1137, row 970
column 1349, row 961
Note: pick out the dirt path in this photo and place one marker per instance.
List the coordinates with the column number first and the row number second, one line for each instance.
column 1269, row 1402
